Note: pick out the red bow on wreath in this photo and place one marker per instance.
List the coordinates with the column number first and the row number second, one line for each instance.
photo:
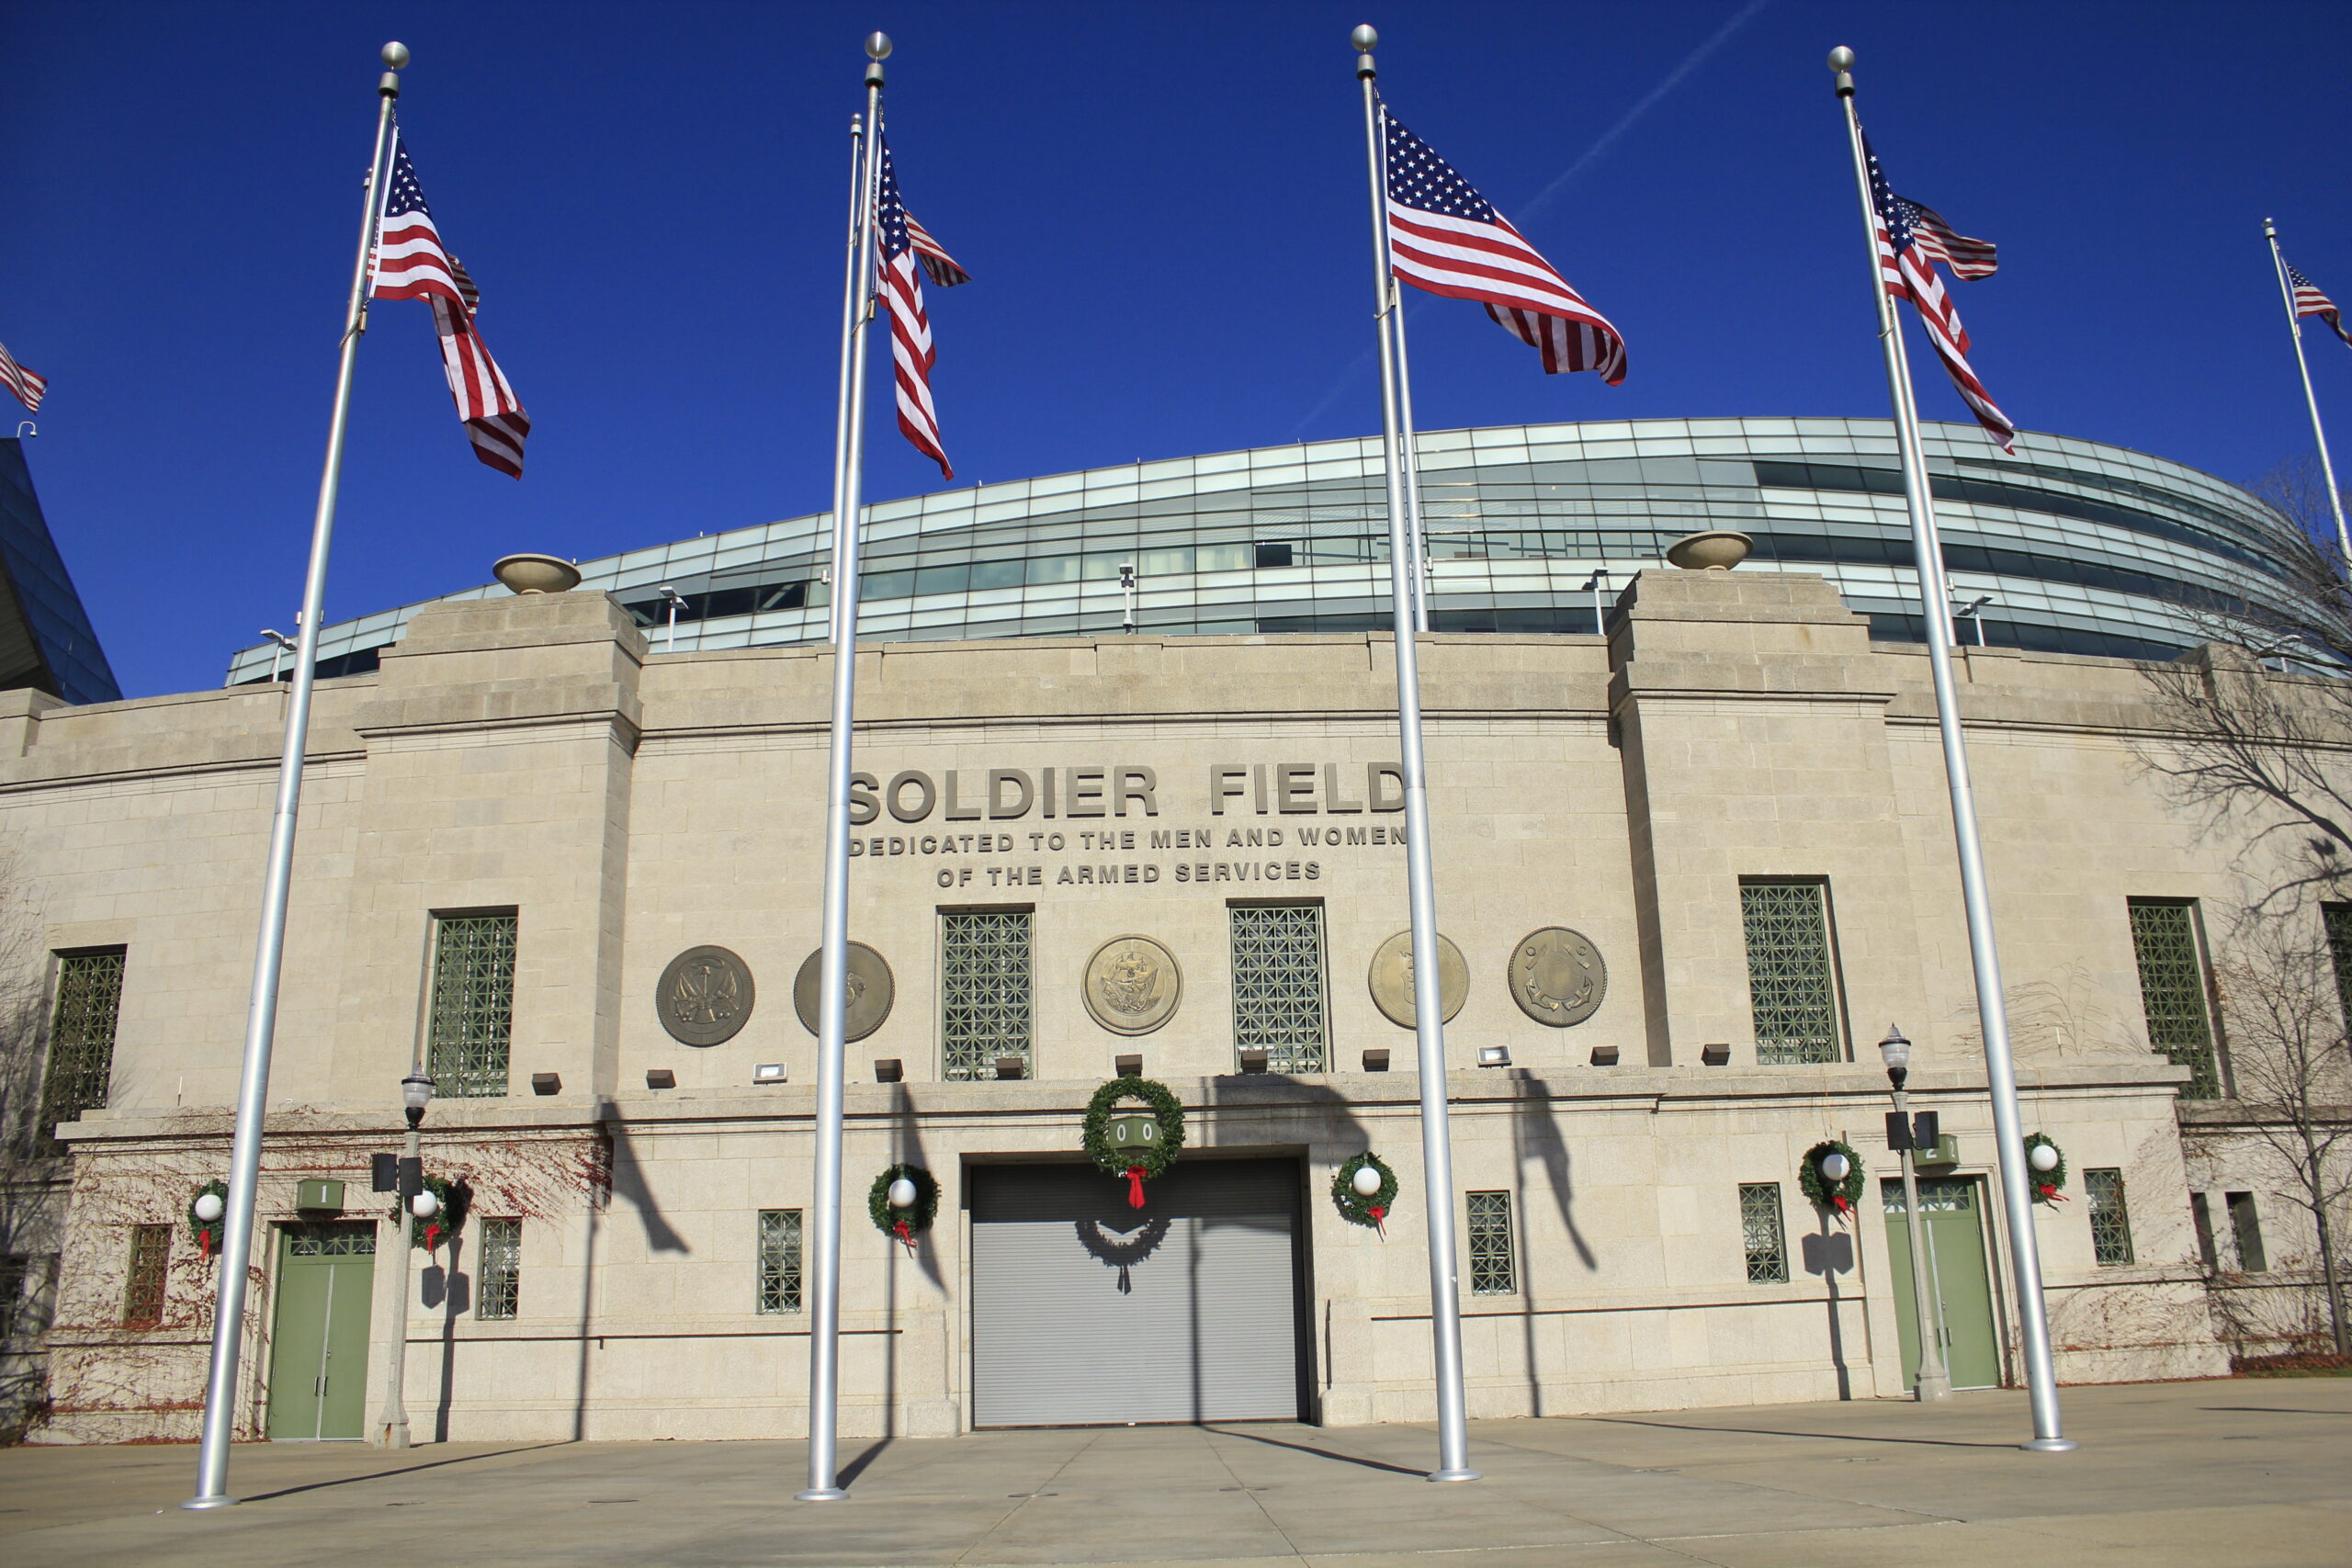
column 2051, row 1194
column 1378, row 1215
column 431, row 1236
column 204, row 1242
column 1135, row 1187
column 906, row 1233
column 1843, row 1206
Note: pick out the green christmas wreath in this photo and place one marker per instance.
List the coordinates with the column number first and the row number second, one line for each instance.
column 1137, row 1165
column 1354, row 1206
column 904, row 1224
column 2047, row 1184
column 208, row 1231
column 1823, row 1193
column 456, row 1198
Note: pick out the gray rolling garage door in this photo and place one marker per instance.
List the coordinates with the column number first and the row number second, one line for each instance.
column 1085, row 1311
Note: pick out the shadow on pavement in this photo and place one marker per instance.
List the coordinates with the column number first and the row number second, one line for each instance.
column 1825, row 1436
column 857, row 1466
column 405, row 1470
column 1319, row 1453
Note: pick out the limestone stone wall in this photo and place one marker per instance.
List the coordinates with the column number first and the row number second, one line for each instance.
column 532, row 754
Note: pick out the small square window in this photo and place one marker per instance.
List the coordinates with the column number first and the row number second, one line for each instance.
column 2110, row 1220
column 779, row 1260
column 500, row 1269
column 1763, row 1233
column 2245, row 1228
column 150, row 1255
column 1494, row 1263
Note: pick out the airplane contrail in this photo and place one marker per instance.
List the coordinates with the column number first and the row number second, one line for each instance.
column 1608, row 138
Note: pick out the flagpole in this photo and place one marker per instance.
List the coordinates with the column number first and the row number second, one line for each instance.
column 2311, row 401
column 1393, row 312
column 261, row 1014
column 1408, row 447
column 853, row 313
column 1935, row 604
column 1429, row 1018
column 825, row 1196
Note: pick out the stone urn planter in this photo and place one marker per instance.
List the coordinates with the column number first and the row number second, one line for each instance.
column 537, row 574
column 1712, row 549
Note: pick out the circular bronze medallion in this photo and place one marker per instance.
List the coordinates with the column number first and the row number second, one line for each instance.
column 704, row 995
column 871, row 991
column 1392, row 978
column 1132, row 985
column 1557, row 978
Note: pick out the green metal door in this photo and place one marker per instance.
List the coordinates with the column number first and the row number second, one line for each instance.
column 1950, row 1216
column 318, row 1357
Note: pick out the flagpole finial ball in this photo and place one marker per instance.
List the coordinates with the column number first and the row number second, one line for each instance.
column 1841, row 59
column 395, row 55
column 1366, row 38
column 877, row 46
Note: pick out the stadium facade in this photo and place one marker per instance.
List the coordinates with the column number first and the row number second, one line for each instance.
column 1688, row 872
column 2082, row 547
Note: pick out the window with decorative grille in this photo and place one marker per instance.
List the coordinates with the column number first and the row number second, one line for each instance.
column 472, row 1018
column 2338, row 922
column 1278, row 985
column 1494, row 1264
column 16, row 1280
column 1792, row 972
column 2110, row 1220
column 1760, row 1229
column 142, row 1293
column 499, row 1269
column 779, row 1260
column 2175, row 990
column 985, row 995
column 2246, row 1229
column 81, row 1034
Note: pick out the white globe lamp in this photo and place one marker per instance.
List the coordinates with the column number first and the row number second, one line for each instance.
column 1366, row 1181
column 2043, row 1158
column 903, row 1193
column 425, row 1205
column 1836, row 1166
column 209, row 1207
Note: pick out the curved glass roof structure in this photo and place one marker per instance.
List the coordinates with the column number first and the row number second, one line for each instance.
column 2080, row 547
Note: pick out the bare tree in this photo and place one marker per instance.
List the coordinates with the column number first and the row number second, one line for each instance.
column 2291, row 1061
column 2258, row 721
column 32, row 1173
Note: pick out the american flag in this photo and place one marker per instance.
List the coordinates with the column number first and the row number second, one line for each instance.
column 28, row 387
column 909, row 253
column 1444, row 237
column 1911, row 240
column 2309, row 300
column 412, row 263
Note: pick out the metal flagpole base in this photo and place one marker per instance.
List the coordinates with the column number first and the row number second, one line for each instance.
column 835, row 1494
column 1454, row 1475
column 2050, row 1446
column 204, row 1504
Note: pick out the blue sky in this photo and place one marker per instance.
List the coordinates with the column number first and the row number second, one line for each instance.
column 1163, row 209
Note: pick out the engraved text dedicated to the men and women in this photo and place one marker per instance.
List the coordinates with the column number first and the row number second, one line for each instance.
column 1132, row 985
column 704, row 995
column 1557, row 978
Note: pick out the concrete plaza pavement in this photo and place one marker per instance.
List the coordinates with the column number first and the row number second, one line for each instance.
column 2231, row 1473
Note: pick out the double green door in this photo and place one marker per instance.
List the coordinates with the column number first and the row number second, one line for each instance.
column 1953, row 1231
column 318, row 1358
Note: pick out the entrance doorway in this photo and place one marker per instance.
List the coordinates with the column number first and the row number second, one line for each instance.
column 1086, row 1312
column 1953, row 1227
column 317, row 1356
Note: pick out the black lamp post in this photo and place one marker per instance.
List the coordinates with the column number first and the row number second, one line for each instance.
column 1932, row 1381
column 416, row 1093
